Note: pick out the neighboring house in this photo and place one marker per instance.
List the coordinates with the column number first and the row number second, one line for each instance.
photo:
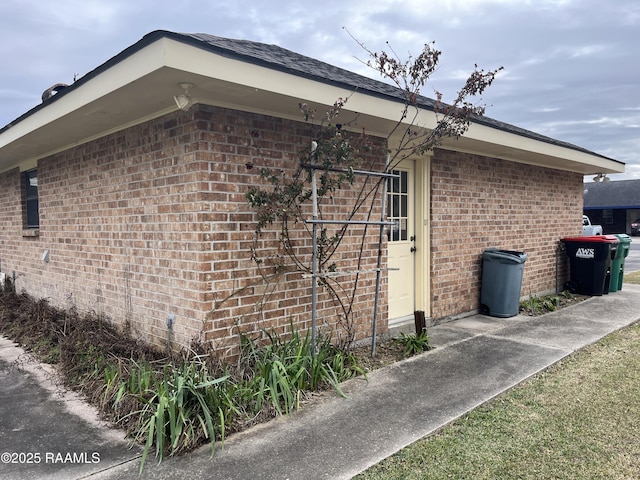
column 614, row 205
column 114, row 200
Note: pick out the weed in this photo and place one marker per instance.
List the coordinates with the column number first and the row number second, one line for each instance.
column 413, row 344
column 540, row 305
column 282, row 369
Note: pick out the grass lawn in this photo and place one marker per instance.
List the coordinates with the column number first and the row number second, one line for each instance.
column 633, row 277
column 579, row 419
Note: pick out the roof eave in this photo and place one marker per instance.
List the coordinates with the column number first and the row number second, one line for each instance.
column 149, row 71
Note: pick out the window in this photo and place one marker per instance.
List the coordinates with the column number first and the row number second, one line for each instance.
column 398, row 206
column 31, row 199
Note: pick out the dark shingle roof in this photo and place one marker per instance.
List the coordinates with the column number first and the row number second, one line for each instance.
column 273, row 56
column 618, row 194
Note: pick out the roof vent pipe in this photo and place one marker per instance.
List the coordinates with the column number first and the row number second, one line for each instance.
column 51, row 91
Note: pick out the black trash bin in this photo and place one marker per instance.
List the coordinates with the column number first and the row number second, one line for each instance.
column 501, row 282
column 590, row 261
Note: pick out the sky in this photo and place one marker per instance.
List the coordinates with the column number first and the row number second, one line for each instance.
column 571, row 67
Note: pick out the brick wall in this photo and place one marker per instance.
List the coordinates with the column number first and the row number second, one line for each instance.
column 478, row 203
column 153, row 220
column 12, row 218
column 120, row 219
column 246, row 296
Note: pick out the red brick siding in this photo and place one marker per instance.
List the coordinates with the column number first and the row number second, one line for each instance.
column 12, row 221
column 240, row 299
column 478, row 203
column 153, row 220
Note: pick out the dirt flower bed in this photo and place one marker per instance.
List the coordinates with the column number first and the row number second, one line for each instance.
column 387, row 352
column 133, row 385
column 540, row 305
column 173, row 404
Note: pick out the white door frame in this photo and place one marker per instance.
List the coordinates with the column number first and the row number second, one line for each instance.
column 401, row 242
column 422, row 243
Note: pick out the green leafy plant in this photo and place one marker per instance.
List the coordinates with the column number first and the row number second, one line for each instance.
column 567, row 294
column 180, row 408
column 414, row 344
column 539, row 305
column 551, row 303
column 284, row 367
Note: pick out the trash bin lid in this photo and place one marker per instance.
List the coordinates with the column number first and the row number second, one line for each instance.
column 623, row 237
column 592, row 239
column 509, row 255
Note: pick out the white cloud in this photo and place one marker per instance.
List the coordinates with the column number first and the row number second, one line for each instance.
column 547, row 110
column 587, row 50
column 607, row 122
column 85, row 15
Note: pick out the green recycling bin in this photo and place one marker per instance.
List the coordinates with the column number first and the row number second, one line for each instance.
column 617, row 263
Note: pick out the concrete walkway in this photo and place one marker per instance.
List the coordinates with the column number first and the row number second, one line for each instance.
column 476, row 359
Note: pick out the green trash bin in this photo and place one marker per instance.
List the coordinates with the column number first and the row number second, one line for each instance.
column 617, row 263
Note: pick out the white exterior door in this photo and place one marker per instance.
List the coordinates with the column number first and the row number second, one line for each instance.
column 401, row 242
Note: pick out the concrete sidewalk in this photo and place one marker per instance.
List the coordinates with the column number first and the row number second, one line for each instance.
column 476, row 359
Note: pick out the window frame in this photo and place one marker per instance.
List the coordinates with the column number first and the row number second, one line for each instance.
column 398, row 206
column 31, row 199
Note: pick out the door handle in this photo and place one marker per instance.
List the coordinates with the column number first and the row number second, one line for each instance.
column 412, row 249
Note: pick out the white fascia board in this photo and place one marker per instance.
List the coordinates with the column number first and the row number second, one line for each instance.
column 510, row 140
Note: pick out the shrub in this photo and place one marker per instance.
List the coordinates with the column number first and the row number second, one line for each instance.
column 281, row 370
column 414, row 344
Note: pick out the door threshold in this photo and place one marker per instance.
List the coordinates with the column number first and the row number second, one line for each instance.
column 400, row 321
